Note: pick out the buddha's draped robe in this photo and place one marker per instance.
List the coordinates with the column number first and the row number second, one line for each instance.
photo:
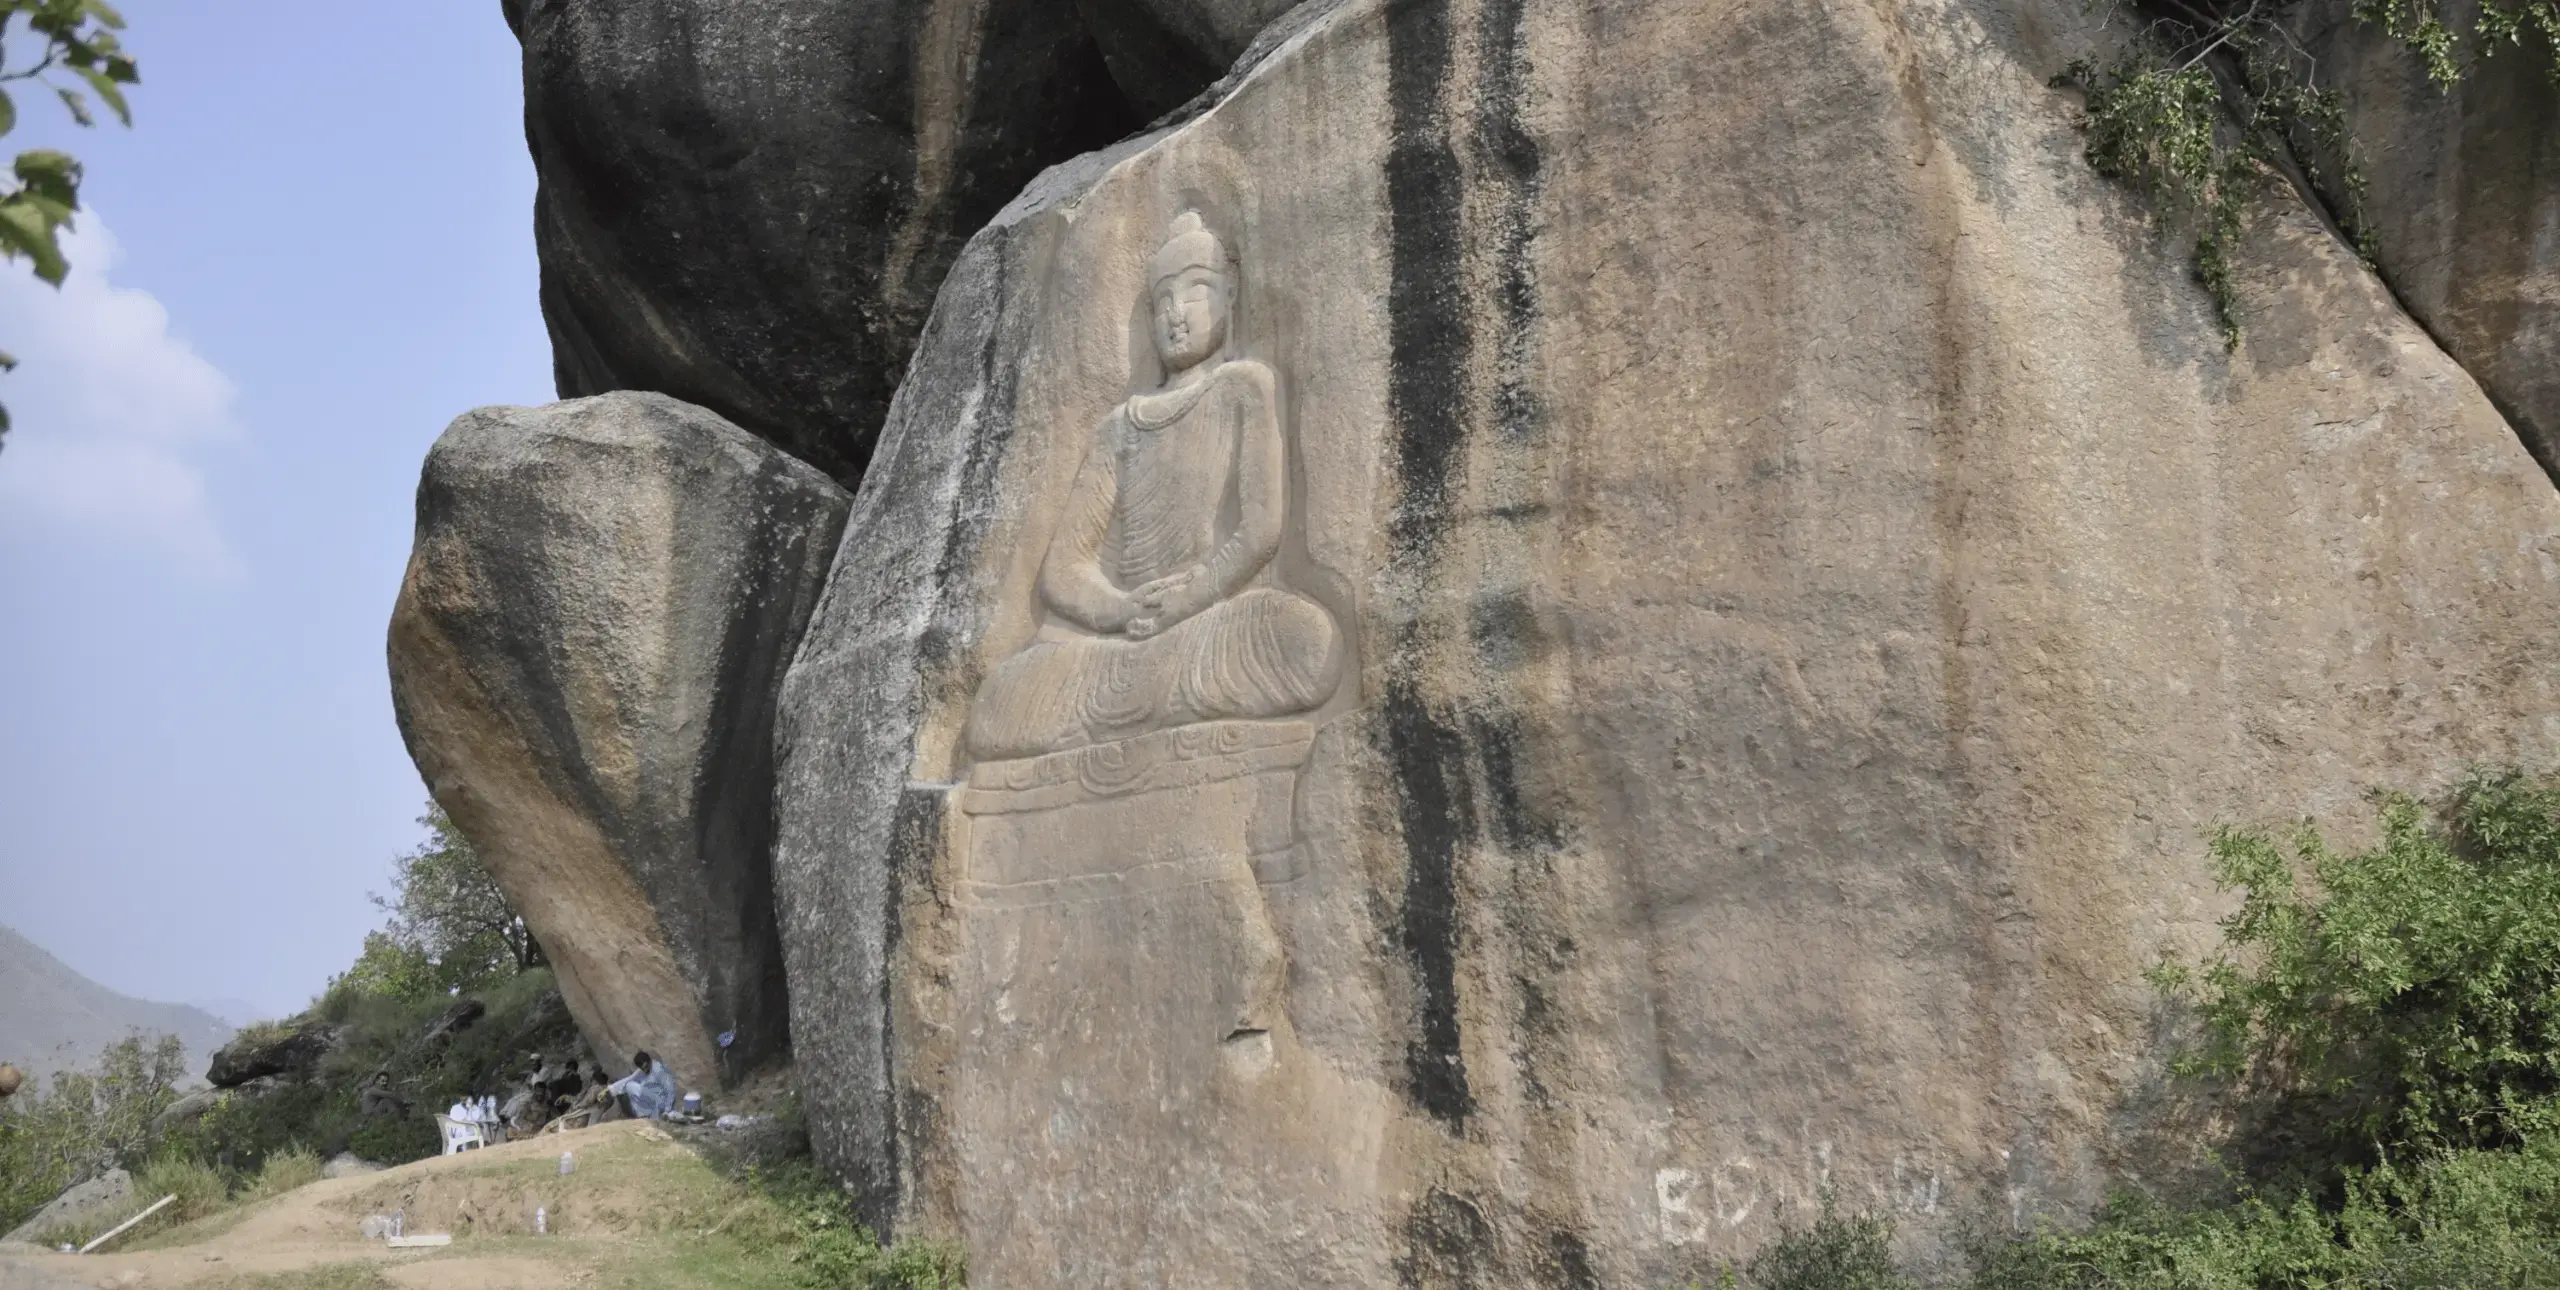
column 1189, row 478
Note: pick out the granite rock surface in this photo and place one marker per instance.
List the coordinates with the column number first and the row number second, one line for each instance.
column 748, row 204
column 1798, row 577
column 584, row 658
column 2463, row 203
column 77, row 1202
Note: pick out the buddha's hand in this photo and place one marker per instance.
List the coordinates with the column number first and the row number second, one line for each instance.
column 1166, row 601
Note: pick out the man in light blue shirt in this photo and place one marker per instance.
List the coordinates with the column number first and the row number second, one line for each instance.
column 649, row 1091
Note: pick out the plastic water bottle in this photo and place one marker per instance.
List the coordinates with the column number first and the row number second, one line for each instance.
column 541, row 1221
column 568, row 1164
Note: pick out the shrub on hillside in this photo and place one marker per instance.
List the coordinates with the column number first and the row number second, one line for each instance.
column 382, row 1031
column 85, row 1123
column 801, row 1213
column 2393, row 1016
column 2454, row 1220
column 2409, row 997
column 1837, row 1252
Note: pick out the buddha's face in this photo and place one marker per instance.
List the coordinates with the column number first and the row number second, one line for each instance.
column 1191, row 318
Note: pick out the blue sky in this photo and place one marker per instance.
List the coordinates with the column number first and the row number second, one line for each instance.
column 313, row 250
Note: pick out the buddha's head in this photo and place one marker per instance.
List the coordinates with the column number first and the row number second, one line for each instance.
column 1192, row 290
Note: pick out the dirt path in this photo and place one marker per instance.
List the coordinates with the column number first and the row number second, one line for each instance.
column 627, row 1175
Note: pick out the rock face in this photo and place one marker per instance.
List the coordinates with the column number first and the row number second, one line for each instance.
column 749, row 205
column 83, row 1199
column 584, row 659
column 2464, row 205
column 260, row 1051
column 1650, row 614
column 1161, row 52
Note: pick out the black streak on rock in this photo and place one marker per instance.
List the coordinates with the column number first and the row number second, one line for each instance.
column 1519, row 825
column 1512, row 158
column 915, row 843
column 1568, row 1263
column 1447, row 1244
column 1428, row 336
column 1429, row 344
column 1429, row 761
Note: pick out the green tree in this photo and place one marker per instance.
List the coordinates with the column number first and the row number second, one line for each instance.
column 451, row 927
column 2411, row 998
column 76, row 56
column 85, row 1123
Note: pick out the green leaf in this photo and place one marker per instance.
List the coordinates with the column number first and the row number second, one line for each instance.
column 8, row 361
column 79, row 106
column 8, row 113
column 26, row 232
column 105, row 13
column 47, row 163
column 108, row 93
column 51, row 179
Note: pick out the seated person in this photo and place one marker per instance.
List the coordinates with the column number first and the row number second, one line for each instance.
column 527, row 1110
column 379, row 1100
column 649, row 1091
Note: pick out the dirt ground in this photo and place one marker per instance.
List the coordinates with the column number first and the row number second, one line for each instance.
column 632, row 1189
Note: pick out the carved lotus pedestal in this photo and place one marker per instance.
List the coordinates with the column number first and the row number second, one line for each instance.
column 1125, row 1078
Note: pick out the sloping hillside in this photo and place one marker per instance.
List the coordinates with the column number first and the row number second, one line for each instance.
column 52, row 1018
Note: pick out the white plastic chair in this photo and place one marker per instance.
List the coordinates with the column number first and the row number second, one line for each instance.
column 459, row 1135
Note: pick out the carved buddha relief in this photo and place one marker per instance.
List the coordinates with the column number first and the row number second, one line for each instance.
column 1161, row 606
column 1128, row 831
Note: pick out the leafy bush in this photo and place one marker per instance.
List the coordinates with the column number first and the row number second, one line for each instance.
column 282, row 1172
column 84, row 1124
column 200, row 1188
column 2458, row 1219
column 383, row 1032
column 2398, row 1025
column 798, row 1210
column 2207, row 101
column 2411, row 1000
column 451, row 927
column 1839, row 1252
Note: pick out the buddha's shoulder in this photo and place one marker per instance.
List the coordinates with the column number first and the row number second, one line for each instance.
column 1245, row 377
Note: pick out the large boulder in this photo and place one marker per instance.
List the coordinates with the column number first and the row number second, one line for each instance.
column 288, row 1048
column 1735, row 575
column 79, row 1201
column 1161, row 52
column 2463, row 201
column 748, row 204
column 584, row 658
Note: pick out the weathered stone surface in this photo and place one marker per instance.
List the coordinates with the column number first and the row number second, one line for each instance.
column 289, row 1048
column 188, row 1109
column 1161, row 52
column 2464, row 205
column 1807, row 577
column 113, row 1187
column 584, row 658
column 748, row 205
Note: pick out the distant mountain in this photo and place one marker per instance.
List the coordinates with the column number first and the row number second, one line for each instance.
column 234, row 1012
column 53, row 1019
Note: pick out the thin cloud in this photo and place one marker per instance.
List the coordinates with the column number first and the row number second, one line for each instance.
column 107, row 408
